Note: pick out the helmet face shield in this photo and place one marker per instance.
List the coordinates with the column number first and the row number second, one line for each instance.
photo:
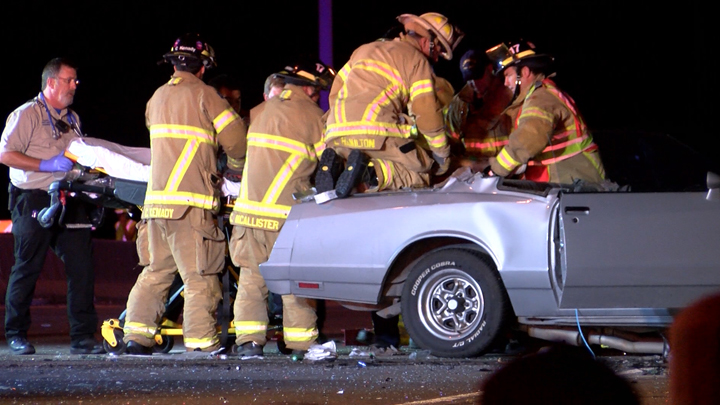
column 309, row 74
column 500, row 57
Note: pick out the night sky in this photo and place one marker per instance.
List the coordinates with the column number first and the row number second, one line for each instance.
column 628, row 66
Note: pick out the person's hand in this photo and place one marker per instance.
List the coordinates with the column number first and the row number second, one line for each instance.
column 443, row 164
column 475, row 165
column 57, row 163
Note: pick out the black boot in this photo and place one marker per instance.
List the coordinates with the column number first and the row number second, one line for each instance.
column 328, row 171
column 357, row 164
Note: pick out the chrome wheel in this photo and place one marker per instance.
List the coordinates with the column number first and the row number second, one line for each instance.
column 451, row 304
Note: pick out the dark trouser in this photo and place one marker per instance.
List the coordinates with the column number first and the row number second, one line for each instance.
column 72, row 246
column 386, row 330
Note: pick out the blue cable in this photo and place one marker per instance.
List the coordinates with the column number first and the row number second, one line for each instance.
column 577, row 319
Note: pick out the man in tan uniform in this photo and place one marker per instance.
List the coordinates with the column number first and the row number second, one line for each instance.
column 549, row 134
column 187, row 120
column 283, row 144
column 367, row 104
column 32, row 145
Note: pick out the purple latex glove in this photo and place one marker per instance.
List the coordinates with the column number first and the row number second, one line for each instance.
column 57, row 163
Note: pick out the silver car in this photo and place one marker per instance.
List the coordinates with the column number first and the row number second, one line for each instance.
column 465, row 260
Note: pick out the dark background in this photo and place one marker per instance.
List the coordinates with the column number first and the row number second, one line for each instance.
column 628, row 65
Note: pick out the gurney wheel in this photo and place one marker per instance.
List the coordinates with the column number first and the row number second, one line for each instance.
column 120, row 347
column 167, row 344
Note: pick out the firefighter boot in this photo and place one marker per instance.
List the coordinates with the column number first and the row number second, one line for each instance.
column 328, row 171
column 357, row 164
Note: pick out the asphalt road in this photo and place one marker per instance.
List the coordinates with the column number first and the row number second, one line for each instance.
column 53, row 376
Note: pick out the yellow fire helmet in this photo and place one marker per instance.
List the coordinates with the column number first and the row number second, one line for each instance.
column 434, row 25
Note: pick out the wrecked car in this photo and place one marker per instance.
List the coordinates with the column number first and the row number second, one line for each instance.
column 465, row 260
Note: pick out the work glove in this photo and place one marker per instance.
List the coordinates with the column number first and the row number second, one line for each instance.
column 233, row 175
column 57, row 163
column 443, row 164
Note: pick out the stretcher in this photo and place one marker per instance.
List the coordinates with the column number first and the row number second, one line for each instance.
column 170, row 325
column 110, row 175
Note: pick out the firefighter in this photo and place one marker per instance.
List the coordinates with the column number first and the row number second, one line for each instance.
column 474, row 116
column 366, row 124
column 549, row 134
column 273, row 86
column 187, row 120
column 283, row 144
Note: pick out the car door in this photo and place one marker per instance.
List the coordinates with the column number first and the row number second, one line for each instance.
column 637, row 250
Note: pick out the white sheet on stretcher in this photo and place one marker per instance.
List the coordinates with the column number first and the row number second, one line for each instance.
column 124, row 162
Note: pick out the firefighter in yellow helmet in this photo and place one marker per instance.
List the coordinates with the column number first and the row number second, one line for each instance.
column 187, row 120
column 366, row 124
column 284, row 142
column 549, row 134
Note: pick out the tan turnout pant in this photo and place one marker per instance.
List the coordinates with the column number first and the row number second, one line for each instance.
column 248, row 248
column 195, row 247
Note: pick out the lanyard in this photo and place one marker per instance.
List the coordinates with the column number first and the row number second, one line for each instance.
column 71, row 121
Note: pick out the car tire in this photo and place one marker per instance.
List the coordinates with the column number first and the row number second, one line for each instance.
column 454, row 303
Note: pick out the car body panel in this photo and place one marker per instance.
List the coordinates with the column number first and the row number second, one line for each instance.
column 651, row 250
column 354, row 253
column 565, row 255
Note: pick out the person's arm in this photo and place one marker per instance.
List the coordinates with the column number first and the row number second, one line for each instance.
column 536, row 123
column 20, row 161
column 129, row 230
column 16, row 136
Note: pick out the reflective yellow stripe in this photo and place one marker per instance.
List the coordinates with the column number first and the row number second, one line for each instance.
column 343, row 73
column 262, row 209
column 202, row 343
column 396, row 88
column 298, row 152
column 181, row 165
column 421, row 87
column 507, row 161
column 137, row 328
column 319, row 147
column 438, row 141
column 250, row 327
column 281, row 179
column 181, row 132
column 367, row 128
column 224, row 119
column 537, row 113
column 281, row 143
column 234, row 162
column 383, row 99
column 388, row 169
column 487, row 148
column 299, row 334
column 597, row 164
column 207, row 202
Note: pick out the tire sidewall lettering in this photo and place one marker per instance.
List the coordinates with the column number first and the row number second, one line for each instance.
column 427, row 271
